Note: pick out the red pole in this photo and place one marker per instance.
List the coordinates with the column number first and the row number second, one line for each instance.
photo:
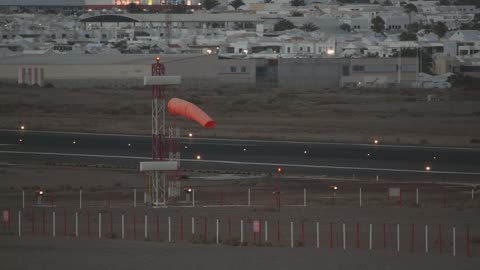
column 303, row 233
column 229, row 229
column 331, row 235
column 358, row 235
column 278, row 230
column 43, row 223
column 33, row 222
column 65, row 223
column 111, row 222
column 260, row 233
column 158, row 229
column 444, row 199
column 412, row 244
column 384, row 232
column 88, row 223
column 205, row 229
column 468, row 241
column 134, row 226
column 440, row 238
column 181, row 228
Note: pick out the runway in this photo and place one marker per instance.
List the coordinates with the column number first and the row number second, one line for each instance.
column 312, row 158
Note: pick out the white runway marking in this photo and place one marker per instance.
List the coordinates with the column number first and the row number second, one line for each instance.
column 251, row 141
column 248, row 163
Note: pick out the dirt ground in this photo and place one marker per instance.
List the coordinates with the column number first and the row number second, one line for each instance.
column 330, row 115
column 107, row 196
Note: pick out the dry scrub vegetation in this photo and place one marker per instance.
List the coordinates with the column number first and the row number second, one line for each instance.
column 333, row 115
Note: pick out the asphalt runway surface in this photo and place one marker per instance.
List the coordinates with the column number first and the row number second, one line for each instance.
column 327, row 159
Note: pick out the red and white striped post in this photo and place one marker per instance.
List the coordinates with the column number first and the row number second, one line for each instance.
column 134, row 226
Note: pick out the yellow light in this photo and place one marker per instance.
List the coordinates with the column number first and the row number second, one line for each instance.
column 330, row 51
column 157, row 58
column 279, row 169
column 150, row 2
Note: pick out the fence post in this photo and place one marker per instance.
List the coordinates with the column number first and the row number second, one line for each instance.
column 318, row 236
column 370, row 244
column 454, row 242
column 193, row 197
column 20, row 223
column 241, row 231
column 304, row 197
column 169, row 229
column 291, row 234
column 80, row 199
column 360, row 196
column 144, row 197
column 76, row 224
column 123, row 226
column 217, row 231
column 23, row 199
column 249, row 198
column 134, row 197
column 53, row 224
column 344, row 236
column 426, row 238
column 193, row 225
column 358, row 235
column 146, row 227
column 99, row 225
column 416, row 197
column 398, row 237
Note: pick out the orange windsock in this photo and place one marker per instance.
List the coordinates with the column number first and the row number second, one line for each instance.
column 190, row 111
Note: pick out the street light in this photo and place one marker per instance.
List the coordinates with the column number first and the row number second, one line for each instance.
column 190, row 135
column 428, row 168
column 22, row 127
column 375, row 141
column 198, row 157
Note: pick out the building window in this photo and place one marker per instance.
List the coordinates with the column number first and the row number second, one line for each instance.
column 233, row 69
column 288, row 49
column 346, row 71
column 308, row 49
column 358, row 68
column 243, row 69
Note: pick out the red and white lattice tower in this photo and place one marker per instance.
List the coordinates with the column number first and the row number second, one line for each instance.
column 157, row 180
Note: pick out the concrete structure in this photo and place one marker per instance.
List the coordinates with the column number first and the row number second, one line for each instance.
column 198, row 71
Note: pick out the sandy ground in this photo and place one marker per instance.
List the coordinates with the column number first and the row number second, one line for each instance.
column 113, row 198
column 335, row 115
column 84, row 254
